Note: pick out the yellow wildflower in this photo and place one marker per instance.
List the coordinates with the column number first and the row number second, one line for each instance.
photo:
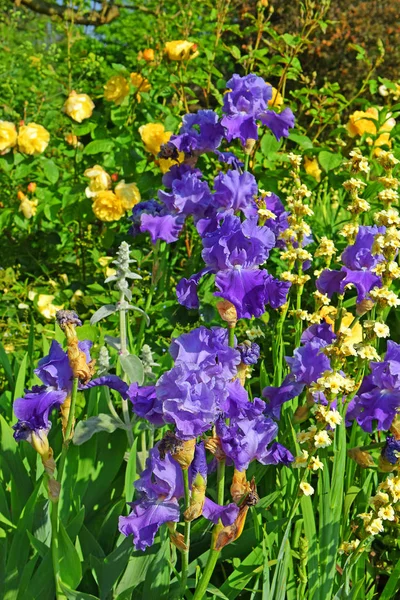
column 8, row 136
column 116, row 89
column 78, row 106
column 386, row 513
column 375, row 527
column 306, row 488
column 181, row 50
column 311, row 167
column 33, row 139
column 107, row 206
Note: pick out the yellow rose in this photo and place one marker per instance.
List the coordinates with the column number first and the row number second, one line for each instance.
column 78, row 106
column 181, row 50
column 107, row 207
column 8, row 136
column 154, row 136
column 99, row 180
column 128, row 193
column 46, row 307
column 27, row 207
column 360, row 122
column 116, row 89
column 311, row 167
column 147, row 55
column 33, row 139
column 72, row 140
column 140, row 83
column 276, row 100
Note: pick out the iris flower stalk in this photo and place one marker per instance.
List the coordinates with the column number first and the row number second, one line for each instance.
column 67, row 321
column 214, row 554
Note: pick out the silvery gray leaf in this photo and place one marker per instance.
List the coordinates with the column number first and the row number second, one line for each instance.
column 141, row 312
column 114, row 342
column 111, row 278
column 132, row 366
column 104, row 311
column 102, row 422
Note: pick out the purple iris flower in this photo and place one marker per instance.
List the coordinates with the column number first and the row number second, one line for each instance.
column 247, row 99
column 391, row 450
column 189, row 399
column 229, row 158
column 322, row 331
column 359, row 255
column 378, row 398
column 160, row 486
column 200, row 132
column 164, row 226
column 146, row 404
column 208, row 349
column 146, row 519
column 281, row 223
column 162, row 477
column 278, row 123
column 237, row 404
column 278, row 454
column 237, row 191
column 33, row 410
column 233, row 250
column 249, row 352
column 331, row 282
column 247, row 102
column 244, row 440
column 306, row 366
column 358, row 261
column 189, row 196
column 151, row 207
column 178, row 172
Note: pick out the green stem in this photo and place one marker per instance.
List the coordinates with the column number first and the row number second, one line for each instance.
column 231, row 339
column 185, row 553
column 154, row 279
column 71, row 414
column 124, row 352
column 220, row 481
column 279, row 349
column 214, row 554
column 122, row 328
column 54, row 549
column 207, row 573
column 54, row 504
column 299, row 322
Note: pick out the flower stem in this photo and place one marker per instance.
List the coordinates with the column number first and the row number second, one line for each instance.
column 207, row 573
column 124, row 352
column 54, row 504
column 185, row 553
column 214, row 554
